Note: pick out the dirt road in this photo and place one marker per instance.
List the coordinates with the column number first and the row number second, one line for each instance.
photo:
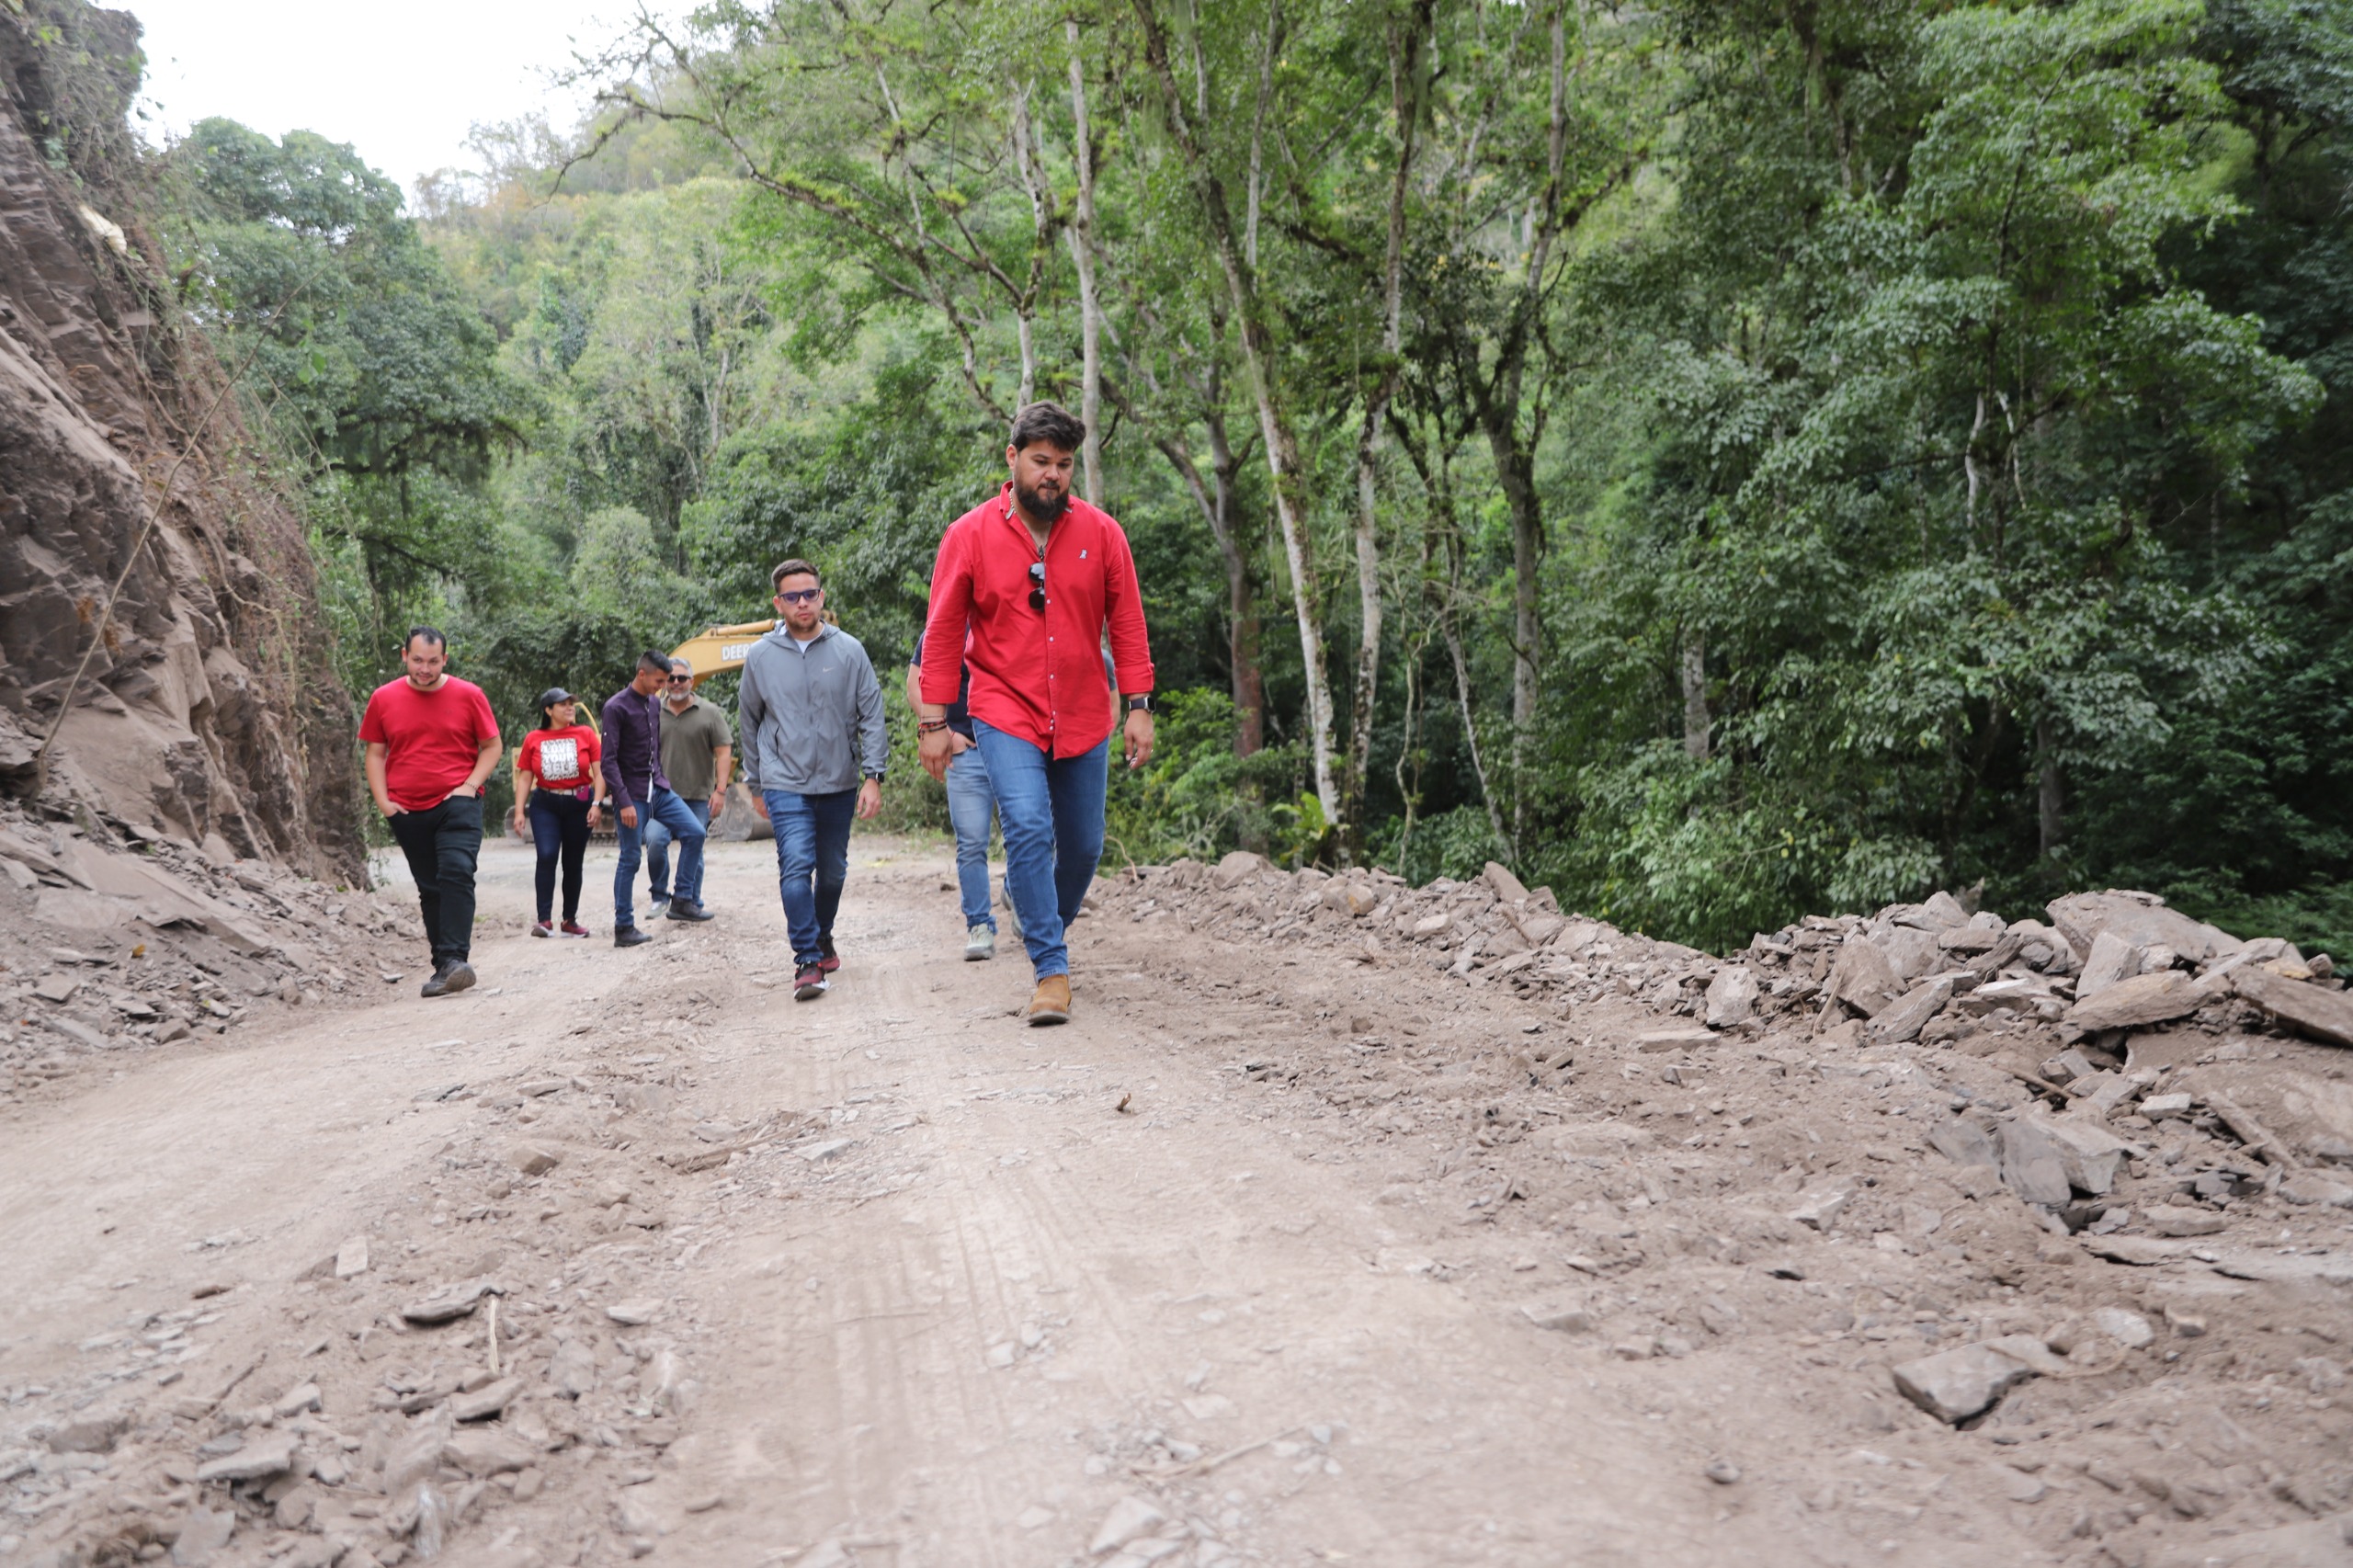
column 911, row 1284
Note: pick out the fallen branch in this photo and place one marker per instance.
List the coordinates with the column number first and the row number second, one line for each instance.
column 1204, row 1466
column 2251, row 1132
column 2022, row 1075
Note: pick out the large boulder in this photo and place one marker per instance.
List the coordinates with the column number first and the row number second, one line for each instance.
column 1863, row 979
column 2139, row 919
column 2143, row 999
column 2310, row 1009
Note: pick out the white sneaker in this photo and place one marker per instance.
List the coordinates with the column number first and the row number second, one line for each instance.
column 980, row 942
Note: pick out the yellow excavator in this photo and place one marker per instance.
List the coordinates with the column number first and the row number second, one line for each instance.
column 722, row 648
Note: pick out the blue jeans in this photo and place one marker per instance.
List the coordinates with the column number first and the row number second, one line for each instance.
column 667, row 809
column 812, row 862
column 1051, row 810
column 970, row 806
column 657, row 854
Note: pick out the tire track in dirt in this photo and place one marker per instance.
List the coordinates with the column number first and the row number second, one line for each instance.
column 1304, row 1240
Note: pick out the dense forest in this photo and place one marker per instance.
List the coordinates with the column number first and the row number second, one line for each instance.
column 1727, row 459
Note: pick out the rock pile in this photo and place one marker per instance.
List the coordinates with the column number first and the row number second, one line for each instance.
column 120, row 939
column 1935, row 971
column 2116, row 1082
column 2055, row 1005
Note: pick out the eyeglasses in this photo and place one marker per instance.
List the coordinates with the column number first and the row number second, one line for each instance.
column 1038, row 586
column 800, row 595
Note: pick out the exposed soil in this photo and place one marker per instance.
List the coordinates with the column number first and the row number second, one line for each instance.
column 1288, row 1249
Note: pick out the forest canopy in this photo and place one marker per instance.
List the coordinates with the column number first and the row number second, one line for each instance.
column 1727, row 461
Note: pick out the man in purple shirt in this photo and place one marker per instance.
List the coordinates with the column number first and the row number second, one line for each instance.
column 642, row 796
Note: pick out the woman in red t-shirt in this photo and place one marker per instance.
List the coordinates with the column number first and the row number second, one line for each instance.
column 555, row 786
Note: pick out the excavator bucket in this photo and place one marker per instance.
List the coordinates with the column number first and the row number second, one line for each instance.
column 721, row 647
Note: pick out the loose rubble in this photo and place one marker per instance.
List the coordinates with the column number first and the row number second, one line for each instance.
column 2067, row 1138
column 121, row 941
column 1984, row 1256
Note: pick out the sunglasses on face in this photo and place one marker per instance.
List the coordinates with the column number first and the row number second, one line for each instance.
column 1038, row 586
column 682, row 680
column 800, row 595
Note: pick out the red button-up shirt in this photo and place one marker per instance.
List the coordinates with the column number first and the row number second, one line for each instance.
column 1038, row 676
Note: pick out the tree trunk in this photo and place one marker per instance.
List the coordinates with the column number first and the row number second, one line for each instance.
column 1406, row 35
column 1499, row 413
column 2048, row 800
column 1033, row 180
column 1082, row 250
column 1249, row 677
column 1471, row 724
column 1217, row 506
column 1515, row 469
column 1220, row 505
column 1283, row 466
column 1696, row 720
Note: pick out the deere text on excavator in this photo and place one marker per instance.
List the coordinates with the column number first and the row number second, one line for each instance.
column 722, row 648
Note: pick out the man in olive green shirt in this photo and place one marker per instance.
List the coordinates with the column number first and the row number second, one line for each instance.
column 699, row 755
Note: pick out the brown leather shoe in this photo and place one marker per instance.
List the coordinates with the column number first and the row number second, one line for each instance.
column 1050, row 1004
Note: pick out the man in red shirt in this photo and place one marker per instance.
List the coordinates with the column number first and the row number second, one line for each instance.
column 1035, row 577
column 431, row 742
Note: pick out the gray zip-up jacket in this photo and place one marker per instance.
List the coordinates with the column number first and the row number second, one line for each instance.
column 811, row 718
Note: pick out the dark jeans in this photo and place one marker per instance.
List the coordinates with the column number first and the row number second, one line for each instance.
column 442, row 843
column 811, row 863
column 559, row 827
column 667, row 808
column 657, row 852
column 1050, row 810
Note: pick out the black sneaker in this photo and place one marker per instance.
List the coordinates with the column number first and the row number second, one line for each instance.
column 688, row 909
column 828, row 960
column 630, row 937
column 810, row 983
column 449, row 977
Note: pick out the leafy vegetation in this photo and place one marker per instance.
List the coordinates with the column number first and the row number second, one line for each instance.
column 1727, row 458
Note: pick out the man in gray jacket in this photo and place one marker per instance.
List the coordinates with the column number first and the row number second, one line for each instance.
column 810, row 711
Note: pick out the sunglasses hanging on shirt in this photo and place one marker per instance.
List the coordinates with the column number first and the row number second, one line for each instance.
column 1038, row 586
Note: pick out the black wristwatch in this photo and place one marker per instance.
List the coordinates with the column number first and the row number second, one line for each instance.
column 1140, row 704
column 876, row 777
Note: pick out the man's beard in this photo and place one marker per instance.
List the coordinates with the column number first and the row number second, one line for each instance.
column 1037, row 506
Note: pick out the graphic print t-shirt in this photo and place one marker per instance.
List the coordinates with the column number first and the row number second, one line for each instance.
column 564, row 760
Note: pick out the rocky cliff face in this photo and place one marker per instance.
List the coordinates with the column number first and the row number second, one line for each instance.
column 207, row 711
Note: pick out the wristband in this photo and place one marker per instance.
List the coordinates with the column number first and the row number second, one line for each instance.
column 930, row 726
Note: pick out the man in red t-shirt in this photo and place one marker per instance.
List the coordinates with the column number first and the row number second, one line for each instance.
column 431, row 742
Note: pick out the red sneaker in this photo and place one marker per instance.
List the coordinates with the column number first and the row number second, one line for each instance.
column 828, row 960
column 542, row 929
column 573, row 928
column 810, row 983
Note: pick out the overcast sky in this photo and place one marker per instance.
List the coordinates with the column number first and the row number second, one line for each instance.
column 402, row 84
